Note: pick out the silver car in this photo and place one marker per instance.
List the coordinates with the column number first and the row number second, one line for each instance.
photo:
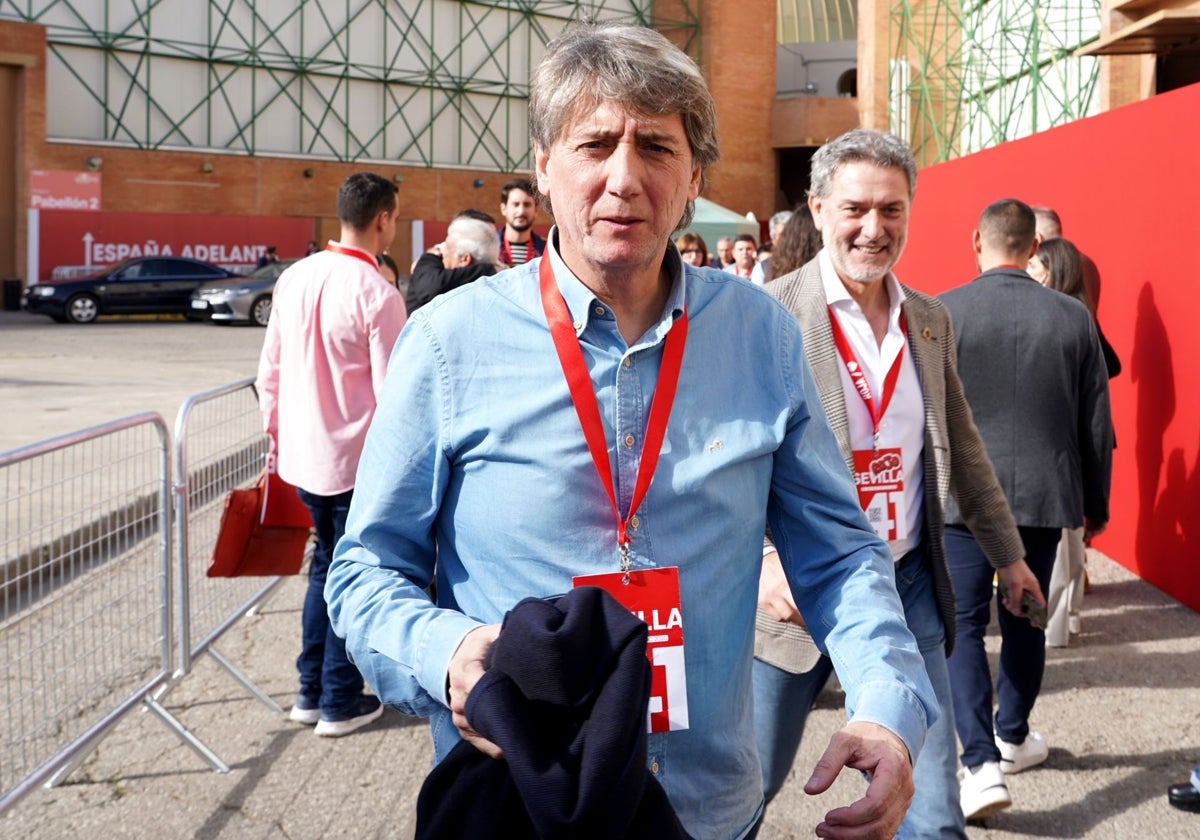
column 240, row 298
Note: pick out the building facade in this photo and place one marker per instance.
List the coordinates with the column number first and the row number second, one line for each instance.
column 262, row 107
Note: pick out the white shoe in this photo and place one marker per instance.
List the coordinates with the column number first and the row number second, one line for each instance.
column 1015, row 758
column 366, row 709
column 982, row 791
column 305, row 711
column 1073, row 625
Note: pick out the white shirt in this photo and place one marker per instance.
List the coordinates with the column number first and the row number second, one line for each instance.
column 758, row 274
column 903, row 426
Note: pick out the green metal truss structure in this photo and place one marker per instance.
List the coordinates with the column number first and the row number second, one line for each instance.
column 419, row 82
column 803, row 21
column 970, row 74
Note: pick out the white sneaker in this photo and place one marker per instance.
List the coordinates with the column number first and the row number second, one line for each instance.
column 982, row 791
column 305, row 711
column 366, row 709
column 1017, row 757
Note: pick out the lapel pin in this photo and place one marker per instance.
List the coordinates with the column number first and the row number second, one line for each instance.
column 927, row 334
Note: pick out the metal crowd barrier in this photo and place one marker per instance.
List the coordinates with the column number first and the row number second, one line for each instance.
column 219, row 445
column 85, row 625
column 95, row 618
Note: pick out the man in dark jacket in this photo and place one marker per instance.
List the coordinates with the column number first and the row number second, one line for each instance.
column 1030, row 363
column 469, row 252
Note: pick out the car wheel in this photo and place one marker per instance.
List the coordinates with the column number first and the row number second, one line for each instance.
column 82, row 309
column 260, row 310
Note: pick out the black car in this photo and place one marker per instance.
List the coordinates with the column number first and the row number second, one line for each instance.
column 154, row 285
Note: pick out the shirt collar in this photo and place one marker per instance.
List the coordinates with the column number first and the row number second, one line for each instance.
column 343, row 246
column 580, row 299
column 836, row 294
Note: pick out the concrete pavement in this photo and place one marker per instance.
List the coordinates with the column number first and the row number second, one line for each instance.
column 59, row 378
column 1119, row 708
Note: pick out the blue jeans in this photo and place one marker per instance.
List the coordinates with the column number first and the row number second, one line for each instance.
column 1022, row 646
column 782, row 702
column 327, row 676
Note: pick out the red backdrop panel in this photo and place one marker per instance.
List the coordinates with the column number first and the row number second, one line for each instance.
column 1125, row 184
column 73, row 244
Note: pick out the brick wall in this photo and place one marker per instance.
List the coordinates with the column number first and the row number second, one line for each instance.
column 738, row 59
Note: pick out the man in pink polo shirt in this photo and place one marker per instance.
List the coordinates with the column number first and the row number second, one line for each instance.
column 334, row 319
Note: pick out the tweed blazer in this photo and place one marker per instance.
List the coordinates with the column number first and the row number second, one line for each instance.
column 954, row 457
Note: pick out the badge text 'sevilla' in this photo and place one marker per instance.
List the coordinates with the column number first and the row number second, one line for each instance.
column 674, row 619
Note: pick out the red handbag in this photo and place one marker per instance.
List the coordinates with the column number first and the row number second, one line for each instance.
column 281, row 505
column 264, row 529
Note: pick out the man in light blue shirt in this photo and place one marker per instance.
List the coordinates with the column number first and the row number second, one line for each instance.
column 476, row 468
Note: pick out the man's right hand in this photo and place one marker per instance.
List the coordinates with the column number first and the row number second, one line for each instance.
column 466, row 667
column 774, row 594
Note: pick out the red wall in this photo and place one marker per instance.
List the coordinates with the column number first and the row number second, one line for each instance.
column 1127, row 186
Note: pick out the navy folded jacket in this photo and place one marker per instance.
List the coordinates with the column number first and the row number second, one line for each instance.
column 565, row 697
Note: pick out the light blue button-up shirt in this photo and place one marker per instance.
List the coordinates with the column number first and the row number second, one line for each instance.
column 476, row 470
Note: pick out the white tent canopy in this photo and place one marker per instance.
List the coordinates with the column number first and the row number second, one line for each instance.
column 712, row 221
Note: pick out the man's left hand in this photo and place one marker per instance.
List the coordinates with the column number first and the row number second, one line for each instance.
column 879, row 753
column 1093, row 527
column 774, row 593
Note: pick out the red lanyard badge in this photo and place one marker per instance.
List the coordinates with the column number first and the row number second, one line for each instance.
column 583, row 396
column 859, row 377
column 653, row 596
column 353, row 252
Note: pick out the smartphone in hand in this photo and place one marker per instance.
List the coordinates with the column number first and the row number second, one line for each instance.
column 1030, row 608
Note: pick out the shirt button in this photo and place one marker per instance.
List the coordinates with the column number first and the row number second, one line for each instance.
column 634, row 522
column 599, row 310
column 654, row 767
column 578, row 325
column 629, row 440
column 628, row 361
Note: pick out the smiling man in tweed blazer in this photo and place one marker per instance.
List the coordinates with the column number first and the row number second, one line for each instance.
column 883, row 357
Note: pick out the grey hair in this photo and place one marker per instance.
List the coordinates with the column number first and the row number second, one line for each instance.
column 780, row 219
column 1048, row 222
column 634, row 67
column 861, row 145
column 477, row 238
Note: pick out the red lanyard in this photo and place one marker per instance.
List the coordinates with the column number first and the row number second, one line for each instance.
column 353, row 252
column 583, row 395
column 859, row 377
column 506, row 250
